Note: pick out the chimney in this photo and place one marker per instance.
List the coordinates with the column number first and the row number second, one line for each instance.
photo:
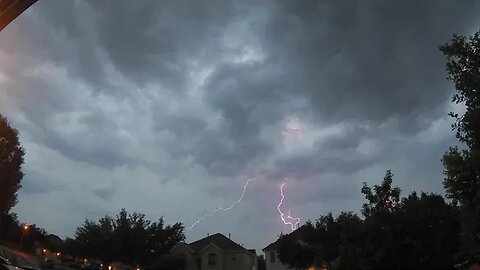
column 229, row 235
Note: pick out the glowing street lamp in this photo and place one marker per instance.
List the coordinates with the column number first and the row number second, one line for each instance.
column 25, row 228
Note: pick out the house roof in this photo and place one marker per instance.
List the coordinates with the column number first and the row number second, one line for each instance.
column 272, row 246
column 298, row 234
column 219, row 240
column 54, row 241
column 183, row 244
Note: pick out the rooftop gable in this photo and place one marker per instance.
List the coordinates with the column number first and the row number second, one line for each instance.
column 299, row 234
column 219, row 240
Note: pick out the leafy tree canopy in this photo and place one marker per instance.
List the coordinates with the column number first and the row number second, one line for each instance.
column 395, row 233
column 129, row 238
column 11, row 160
column 462, row 166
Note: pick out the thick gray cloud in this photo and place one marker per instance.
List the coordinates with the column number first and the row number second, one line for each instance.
column 36, row 184
column 368, row 61
column 169, row 107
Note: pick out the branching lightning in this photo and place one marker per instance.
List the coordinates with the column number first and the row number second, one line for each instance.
column 288, row 220
column 221, row 208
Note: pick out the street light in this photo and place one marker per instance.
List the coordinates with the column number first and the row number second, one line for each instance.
column 25, row 229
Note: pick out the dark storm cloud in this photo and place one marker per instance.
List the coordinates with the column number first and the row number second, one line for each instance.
column 33, row 183
column 247, row 98
column 148, row 42
column 219, row 153
column 38, row 98
column 347, row 61
column 229, row 157
column 238, row 90
column 349, row 139
column 64, row 34
column 181, row 125
column 366, row 61
column 202, row 90
column 243, row 100
column 137, row 44
column 44, row 103
column 105, row 193
column 318, row 160
column 103, row 151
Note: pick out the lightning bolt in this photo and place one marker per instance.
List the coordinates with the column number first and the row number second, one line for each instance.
column 288, row 220
column 221, row 208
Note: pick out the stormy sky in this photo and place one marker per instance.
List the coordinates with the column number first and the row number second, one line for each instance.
column 168, row 107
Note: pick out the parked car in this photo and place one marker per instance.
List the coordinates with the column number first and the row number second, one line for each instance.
column 92, row 266
column 74, row 265
column 49, row 263
column 71, row 264
column 5, row 264
column 28, row 268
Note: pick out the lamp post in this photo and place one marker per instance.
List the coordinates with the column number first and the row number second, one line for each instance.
column 24, row 231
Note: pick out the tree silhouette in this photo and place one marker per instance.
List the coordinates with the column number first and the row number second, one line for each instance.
column 11, row 160
column 462, row 166
column 128, row 238
column 396, row 233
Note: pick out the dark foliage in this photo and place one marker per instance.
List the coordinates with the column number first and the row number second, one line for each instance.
column 11, row 160
column 12, row 232
column 409, row 233
column 128, row 238
column 462, row 167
